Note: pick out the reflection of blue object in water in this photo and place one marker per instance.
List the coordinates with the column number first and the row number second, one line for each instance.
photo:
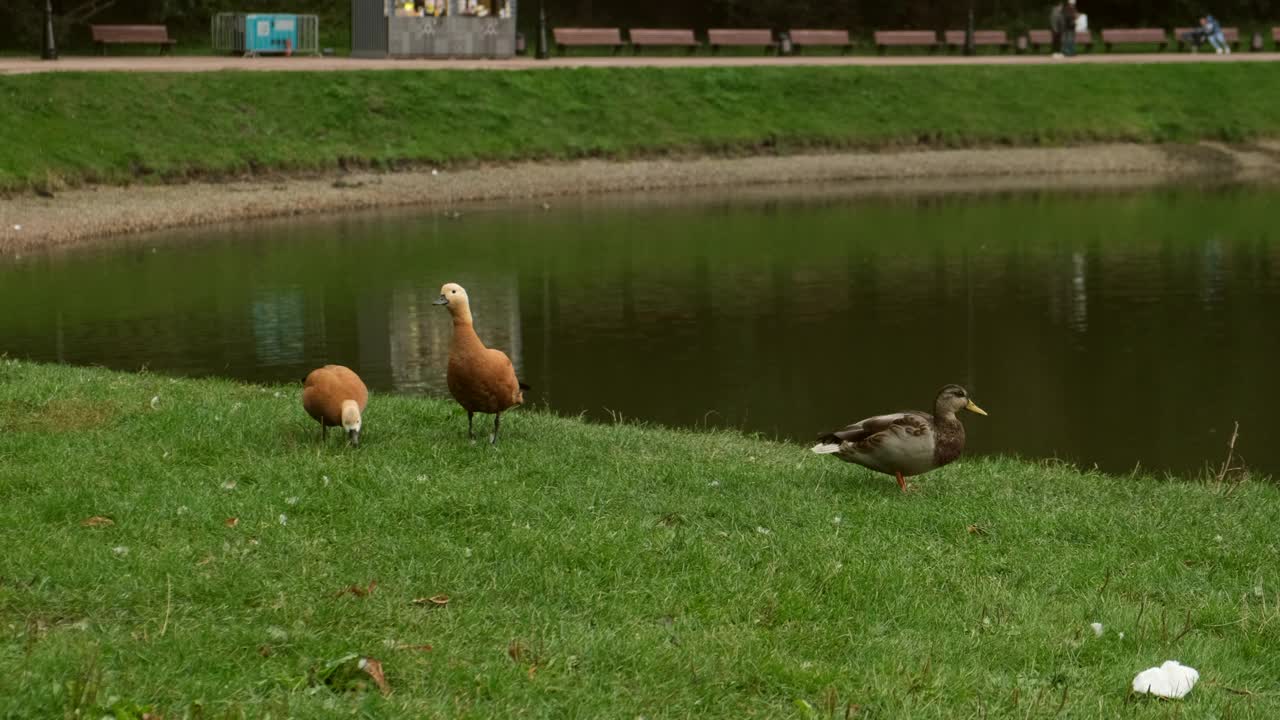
column 278, row 327
column 1211, row 266
column 1079, row 294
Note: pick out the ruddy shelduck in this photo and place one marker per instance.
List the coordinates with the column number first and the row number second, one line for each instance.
column 334, row 395
column 481, row 379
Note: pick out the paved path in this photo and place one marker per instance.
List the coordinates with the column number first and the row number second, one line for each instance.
column 20, row 66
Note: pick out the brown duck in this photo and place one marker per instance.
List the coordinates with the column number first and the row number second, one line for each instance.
column 334, row 395
column 481, row 379
column 906, row 443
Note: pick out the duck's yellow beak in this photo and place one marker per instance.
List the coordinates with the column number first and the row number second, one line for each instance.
column 973, row 407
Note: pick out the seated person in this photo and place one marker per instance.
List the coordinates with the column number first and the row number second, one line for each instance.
column 1212, row 30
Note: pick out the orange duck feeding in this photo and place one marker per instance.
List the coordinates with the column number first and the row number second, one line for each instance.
column 481, row 379
column 334, row 395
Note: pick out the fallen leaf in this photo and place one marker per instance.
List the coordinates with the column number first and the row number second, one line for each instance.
column 357, row 590
column 231, row 522
column 97, row 521
column 515, row 650
column 976, row 530
column 420, row 648
column 207, row 559
column 374, row 669
column 433, row 601
column 532, row 669
column 264, row 650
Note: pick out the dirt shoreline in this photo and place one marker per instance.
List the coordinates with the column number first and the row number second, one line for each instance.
column 30, row 223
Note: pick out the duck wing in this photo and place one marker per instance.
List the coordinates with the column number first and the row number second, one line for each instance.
column 912, row 422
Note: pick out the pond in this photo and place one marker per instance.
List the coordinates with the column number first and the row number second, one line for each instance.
column 1106, row 328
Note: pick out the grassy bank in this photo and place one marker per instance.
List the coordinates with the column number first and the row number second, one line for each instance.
column 69, row 128
column 591, row 571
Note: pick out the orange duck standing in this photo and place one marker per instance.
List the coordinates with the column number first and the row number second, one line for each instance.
column 334, row 395
column 481, row 379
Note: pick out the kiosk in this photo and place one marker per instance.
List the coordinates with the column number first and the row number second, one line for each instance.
column 433, row 28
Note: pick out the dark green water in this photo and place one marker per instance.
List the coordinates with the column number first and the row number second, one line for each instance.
column 1109, row 329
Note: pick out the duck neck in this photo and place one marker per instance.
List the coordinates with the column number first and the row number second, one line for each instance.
column 948, row 437
column 464, row 333
column 462, row 316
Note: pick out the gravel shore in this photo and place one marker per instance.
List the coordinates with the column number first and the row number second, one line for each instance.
column 29, row 222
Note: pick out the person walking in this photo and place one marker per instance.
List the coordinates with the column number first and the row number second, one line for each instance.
column 1069, row 16
column 1056, row 26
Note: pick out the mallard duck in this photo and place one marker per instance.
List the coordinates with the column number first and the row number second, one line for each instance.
column 481, row 379
column 334, row 395
column 906, row 443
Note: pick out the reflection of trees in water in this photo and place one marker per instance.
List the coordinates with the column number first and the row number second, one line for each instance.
column 279, row 322
column 420, row 331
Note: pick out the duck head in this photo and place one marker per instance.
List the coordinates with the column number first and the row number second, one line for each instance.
column 952, row 399
column 454, row 298
column 351, row 421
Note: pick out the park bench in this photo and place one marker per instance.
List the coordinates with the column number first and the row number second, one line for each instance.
column 1037, row 38
column 653, row 37
column 749, row 38
column 820, row 38
column 1275, row 36
column 988, row 38
column 885, row 39
column 1134, row 36
column 588, row 37
column 132, row 35
column 1231, row 34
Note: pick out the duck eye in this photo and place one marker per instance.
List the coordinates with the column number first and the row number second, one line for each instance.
column 453, row 292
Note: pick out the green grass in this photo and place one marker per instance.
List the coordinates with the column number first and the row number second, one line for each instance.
column 591, row 570
column 106, row 127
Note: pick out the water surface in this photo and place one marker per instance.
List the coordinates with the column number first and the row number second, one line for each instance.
column 1106, row 328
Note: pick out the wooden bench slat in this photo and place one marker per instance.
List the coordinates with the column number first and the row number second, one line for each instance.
column 803, row 38
column 588, row 36
column 980, row 37
column 1084, row 38
column 1134, row 36
column 663, row 36
column 906, row 37
column 132, row 34
column 819, row 37
column 884, row 39
column 754, row 37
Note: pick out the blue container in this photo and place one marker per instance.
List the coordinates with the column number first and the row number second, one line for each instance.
column 270, row 33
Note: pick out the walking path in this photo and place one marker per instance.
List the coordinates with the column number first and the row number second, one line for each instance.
column 179, row 63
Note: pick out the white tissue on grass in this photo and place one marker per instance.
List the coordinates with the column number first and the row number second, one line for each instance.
column 1170, row 680
column 1097, row 628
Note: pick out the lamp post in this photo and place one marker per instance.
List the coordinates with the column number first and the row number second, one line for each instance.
column 48, row 49
column 968, row 34
column 542, row 30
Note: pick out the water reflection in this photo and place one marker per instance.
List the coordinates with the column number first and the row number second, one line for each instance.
column 1107, row 329
column 418, row 339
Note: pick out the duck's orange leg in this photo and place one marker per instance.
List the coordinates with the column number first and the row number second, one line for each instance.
column 902, row 482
